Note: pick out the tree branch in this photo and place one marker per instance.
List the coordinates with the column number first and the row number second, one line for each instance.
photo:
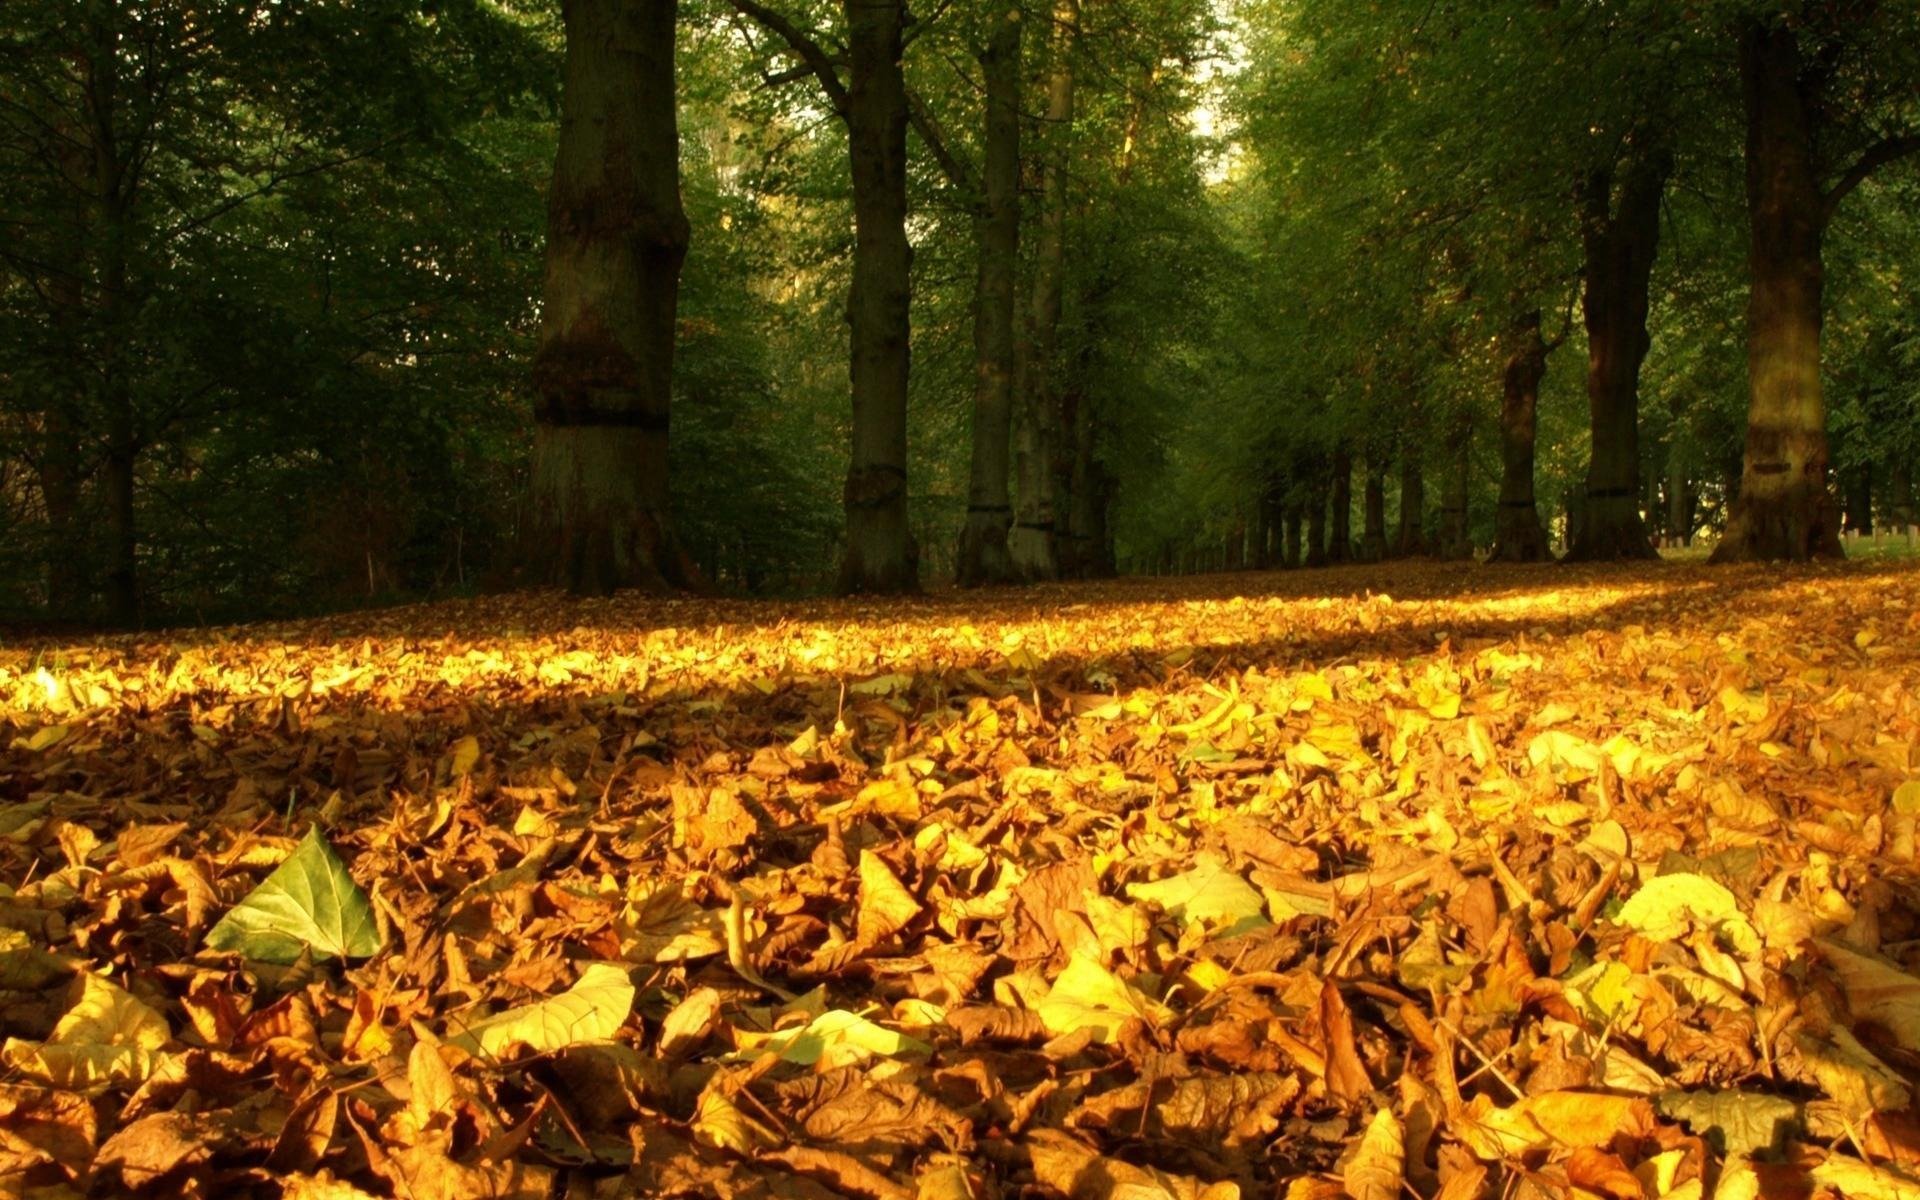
column 1876, row 156
column 958, row 171
column 805, row 48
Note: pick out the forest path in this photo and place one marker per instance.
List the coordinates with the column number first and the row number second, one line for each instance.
column 1158, row 882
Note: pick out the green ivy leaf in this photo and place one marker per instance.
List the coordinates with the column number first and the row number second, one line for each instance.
column 308, row 902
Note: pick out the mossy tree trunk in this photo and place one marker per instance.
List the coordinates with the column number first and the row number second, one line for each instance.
column 603, row 372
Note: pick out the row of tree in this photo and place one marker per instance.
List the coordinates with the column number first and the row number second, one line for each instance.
column 1488, row 171
column 1109, row 284
column 617, row 238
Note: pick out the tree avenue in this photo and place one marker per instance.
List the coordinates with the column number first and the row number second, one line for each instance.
column 789, row 296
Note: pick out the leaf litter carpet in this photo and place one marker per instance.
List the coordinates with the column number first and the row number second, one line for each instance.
column 1403, row 881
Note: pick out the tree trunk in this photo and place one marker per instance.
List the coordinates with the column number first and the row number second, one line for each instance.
column 1373, row 533
column 1101, row 563
column 1899, row 492
column 983, row 556
column 1317, row 522
column 1032, row 540
column 112, row 203
column 1680, row 499
column 1264, row 518
column 58, row 462
column 1859, row 493
column 880, row 554
column 1518, row 535
column 1081, row 552
column 1620, row 239
column 1290, row 523
column 603, row 373
column 1340, row 508
column 1784, row 510
column 1456, row 526
column 1410, row 541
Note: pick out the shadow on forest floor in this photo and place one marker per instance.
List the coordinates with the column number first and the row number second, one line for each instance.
column 687, row 679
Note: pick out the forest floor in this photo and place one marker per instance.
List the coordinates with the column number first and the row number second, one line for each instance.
column 1452, row 881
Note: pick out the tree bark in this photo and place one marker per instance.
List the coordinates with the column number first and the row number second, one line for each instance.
column 1373, row 533
column 880, row 555
column 1032, row 541
column 1410, row 541
column 983, row 556
column 1518, row 534
column 1340, row 508
column 1291, row 519
column 1620, row 239
column 603, row 372
column 1784, row 509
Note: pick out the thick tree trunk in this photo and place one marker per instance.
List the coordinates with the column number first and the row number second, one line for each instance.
column 1620, row 239
column 1290, row 523
column 880, row 553
column 1518, row 535
column 1410, row 541
column 1373, row 532
column 1784, row 509
column 603, row 373
column 1456, row 525
column 1340, row 508
column 983, row 556
column 1032, row 541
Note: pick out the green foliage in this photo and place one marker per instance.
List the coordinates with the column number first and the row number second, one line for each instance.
column 285, row 261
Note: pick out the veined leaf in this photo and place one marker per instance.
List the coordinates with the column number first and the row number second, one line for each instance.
column 310, row 902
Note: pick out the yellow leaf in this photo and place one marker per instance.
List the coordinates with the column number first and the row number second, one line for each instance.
column 44, row 738
column 886, row 906
column 466, row 756
column 1089, row 996
column 1377, row 1167
column 593, row 1009
column 835, row 1038
column 107, row 1036
column 718, row 1122
column 104, row 1014
column 1667, row 906
column 1210, row 895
